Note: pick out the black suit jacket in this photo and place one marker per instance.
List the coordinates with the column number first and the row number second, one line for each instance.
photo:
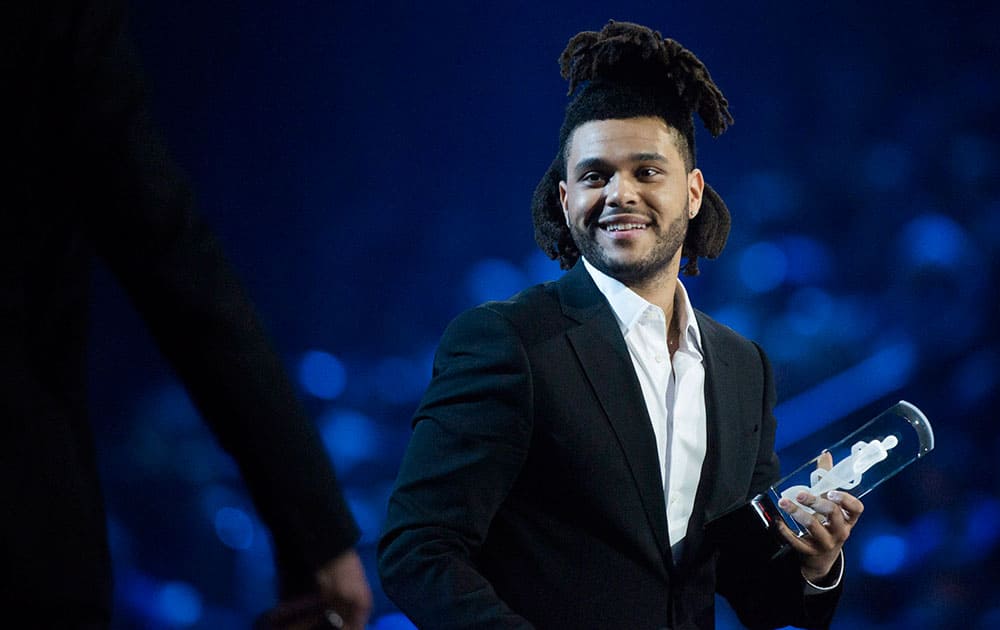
column 84, row 173
column 530, row 493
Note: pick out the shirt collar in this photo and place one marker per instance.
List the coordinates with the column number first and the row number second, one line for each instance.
column 628, row 306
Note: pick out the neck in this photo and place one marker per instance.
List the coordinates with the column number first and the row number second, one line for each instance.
column 661, row 288
column 659, row 292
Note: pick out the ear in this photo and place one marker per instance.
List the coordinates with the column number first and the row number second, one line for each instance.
column 562, row 201
column 696, row 191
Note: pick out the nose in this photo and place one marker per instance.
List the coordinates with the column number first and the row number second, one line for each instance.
column 621, row 191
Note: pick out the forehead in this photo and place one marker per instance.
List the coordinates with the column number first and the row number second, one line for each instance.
column 622, row 137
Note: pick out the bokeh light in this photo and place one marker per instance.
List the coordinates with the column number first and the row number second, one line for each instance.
column 322, row 374
column 883, row 554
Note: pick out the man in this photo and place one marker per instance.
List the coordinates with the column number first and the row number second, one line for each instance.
column 576, row 439
column 86, row 174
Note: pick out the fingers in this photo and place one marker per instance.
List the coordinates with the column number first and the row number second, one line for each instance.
column 835, row 515
column 825, row 460
column 345, row 589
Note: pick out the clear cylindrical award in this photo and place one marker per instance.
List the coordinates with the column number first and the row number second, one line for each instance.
column 861, row 461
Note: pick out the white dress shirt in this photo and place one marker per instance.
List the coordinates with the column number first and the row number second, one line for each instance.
column 674, row 392
column 673, row 389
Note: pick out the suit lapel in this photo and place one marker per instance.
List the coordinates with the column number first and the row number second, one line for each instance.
column 723, row 414
column 602, row 352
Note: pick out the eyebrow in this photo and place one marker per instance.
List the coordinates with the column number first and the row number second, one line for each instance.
column 587, row 164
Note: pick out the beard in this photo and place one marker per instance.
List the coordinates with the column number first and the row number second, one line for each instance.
column 633, row 272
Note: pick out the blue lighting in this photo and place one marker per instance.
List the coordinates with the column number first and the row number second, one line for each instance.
column 234, row 527
column 887, row 166
column 763, row 267
column 933, row 239
column 322, row 374
column 982, row 523
column 393, row 621
column 809, row 261
column 883, row 555
column 767, row 195
column 810, row 311
column 401, row 381
column 926, row 534
column 349, row 437
column 972, row 157
column 976, row 377
column 368, row 513
column 738, row 318
column 168, row 409
column 540, row 268
column 178, row 604
column 881, row 373
column 493, row 279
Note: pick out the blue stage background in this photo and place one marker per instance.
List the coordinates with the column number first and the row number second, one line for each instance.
column 368, row 169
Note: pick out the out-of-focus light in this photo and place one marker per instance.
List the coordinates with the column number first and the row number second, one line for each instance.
column 972, row 157
column 540, row 268
column 349, row 437
column 976, row 377
column 738, row 318
column 990, row 619
column 168, row 409
column 401, row 381
column 322, row 374
column 178, row 604
column 234, row 527
column 766, row 195
column 926, row 534
column 881, row 373
column 810, row 311
column 933, row 239
column 884, row 554
column 809, row 261
column 493, row 279
column 393, row 621
column 368, row 513
column 763, row 267
column 887, row 166
column 982, row 529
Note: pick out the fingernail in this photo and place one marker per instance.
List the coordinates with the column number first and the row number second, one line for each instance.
column 834, row 496
column 784, row 504
column 802, row 497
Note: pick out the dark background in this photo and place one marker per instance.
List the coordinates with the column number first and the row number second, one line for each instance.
column 368, row 169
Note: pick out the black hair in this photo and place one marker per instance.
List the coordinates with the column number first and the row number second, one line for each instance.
column 628, row 71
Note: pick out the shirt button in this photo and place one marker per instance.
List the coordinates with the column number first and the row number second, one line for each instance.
column 659, row 358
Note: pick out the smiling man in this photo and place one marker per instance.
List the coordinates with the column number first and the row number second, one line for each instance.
column 577, row 438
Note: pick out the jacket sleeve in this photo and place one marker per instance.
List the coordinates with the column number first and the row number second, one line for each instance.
column 138, row 211
column 770, row 594
column 471, row 435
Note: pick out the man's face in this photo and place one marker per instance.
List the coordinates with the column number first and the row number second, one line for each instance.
column 628, row 197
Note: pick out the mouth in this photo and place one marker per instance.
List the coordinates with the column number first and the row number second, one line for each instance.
column 622, row 227
column 623, row 224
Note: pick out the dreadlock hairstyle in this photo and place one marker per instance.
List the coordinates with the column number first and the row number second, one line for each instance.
column 627, row 71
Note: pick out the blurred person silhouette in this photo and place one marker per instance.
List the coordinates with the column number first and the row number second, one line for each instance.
column 85, row 174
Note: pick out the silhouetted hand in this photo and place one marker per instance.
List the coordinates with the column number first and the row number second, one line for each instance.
column 343, row 599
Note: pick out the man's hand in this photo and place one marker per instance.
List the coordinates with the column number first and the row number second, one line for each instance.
column 343, row 600
column 344, row 589
column 836, row 515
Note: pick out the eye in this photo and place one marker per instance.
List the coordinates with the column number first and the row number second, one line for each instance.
column 593, row 178
column 647, row 172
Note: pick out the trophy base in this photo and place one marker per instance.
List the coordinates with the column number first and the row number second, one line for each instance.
column 752, row 529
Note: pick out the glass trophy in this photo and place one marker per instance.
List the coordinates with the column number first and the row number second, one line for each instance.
column 861, row 462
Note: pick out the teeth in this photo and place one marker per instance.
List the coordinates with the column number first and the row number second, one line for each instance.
column 617, row 227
